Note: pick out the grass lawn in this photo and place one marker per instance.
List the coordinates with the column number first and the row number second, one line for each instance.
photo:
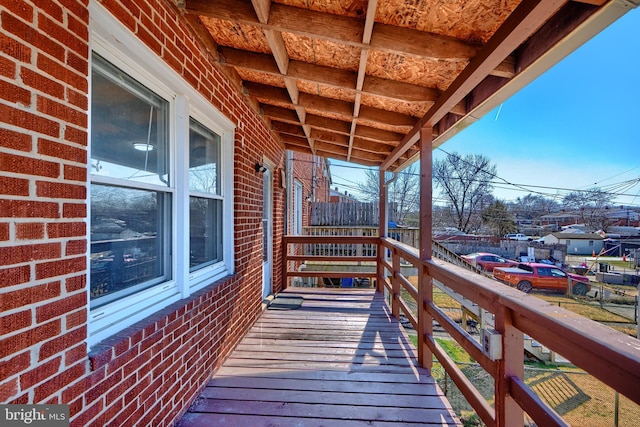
column 577, row 396
column 583, row 308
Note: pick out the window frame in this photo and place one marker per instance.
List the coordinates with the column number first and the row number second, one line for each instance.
column 111, row 40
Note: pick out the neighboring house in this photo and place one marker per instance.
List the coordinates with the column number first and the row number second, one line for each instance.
column 577, row 243
column 309, row 181
column 624, row 217
column 338, row 197
column 559, row 219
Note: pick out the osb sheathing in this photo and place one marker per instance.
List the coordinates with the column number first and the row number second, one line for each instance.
column 327, row 114
column 370, row 147
column 259, row 77
column 238, row 36
column 378, row 125
column 351, row 8
column 326, row 91
column 417, row 71
column 472, row 20
column 322, row 52
column 276, row 103
column 416, row 109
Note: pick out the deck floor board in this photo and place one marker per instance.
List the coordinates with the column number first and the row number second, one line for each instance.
column 340, row 359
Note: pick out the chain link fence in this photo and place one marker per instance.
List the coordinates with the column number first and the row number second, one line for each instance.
column 578, row 397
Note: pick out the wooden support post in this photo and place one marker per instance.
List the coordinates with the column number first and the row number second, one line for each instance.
column 382, row 231
column 508, row 412
column 426, row 193
column 425, row 282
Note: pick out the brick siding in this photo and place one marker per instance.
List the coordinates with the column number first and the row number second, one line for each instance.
column 149, row 373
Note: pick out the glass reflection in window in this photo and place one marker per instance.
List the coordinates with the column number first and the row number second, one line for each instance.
column 129, row 127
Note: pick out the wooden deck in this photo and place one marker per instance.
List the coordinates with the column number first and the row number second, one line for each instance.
column 338, row 360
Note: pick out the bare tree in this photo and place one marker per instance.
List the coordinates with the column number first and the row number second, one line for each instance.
column 465, row 182
column 592, row 205
column 533, row 206
column 404, row 194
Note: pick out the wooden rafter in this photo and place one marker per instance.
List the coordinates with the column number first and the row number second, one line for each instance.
column 358, row 80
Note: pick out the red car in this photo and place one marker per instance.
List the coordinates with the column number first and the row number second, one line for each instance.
column 527, row 276
column 486, row 261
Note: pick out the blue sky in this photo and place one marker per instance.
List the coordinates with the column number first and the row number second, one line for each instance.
column 575, row 127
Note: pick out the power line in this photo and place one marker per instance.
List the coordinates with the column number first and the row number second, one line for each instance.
column 612, row 189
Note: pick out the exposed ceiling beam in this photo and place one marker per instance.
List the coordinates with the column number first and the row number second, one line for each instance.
column 288, row 129
column 329, row 76
column 261, row 8
column 328, row 136
column 363, row 133
column 342, row 30
column 279, row 51
column 362, row 68
column 373, row 147
column 329, row 124
column 271, row 95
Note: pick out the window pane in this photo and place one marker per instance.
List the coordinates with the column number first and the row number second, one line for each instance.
column 129, row 137
column 205, row 232
column 127, row 241
column 204, row 159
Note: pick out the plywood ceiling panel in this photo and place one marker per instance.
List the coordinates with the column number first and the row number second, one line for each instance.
column 365, row 76
column 236, row 35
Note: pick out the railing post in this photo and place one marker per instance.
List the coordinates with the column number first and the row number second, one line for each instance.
column 380, row 270
column 425, row 320
column 285, row 262
column 425, row 282
column 508, row 412
column 395, row 284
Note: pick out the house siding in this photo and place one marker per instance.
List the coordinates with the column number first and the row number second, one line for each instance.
column 149, row 373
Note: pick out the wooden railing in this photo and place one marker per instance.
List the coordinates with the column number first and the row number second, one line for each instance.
column 296, row 255
column 408, row 235
column 609, row 356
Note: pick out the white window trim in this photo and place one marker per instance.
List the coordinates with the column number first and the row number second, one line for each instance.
column 110, row 39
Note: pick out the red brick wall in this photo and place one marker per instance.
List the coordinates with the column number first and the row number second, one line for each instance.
column 150, row 372
column 309, row 170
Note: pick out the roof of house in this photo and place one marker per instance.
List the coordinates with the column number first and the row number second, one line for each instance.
column 360, row 80
column 577, row 236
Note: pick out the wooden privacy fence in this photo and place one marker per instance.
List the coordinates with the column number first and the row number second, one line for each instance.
column 347, row 213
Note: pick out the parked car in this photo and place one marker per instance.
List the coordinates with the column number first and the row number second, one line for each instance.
column 527, row 276
column 518, row 236
column 487, row 261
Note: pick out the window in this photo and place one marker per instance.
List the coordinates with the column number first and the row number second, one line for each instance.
column 130, row 211
column 161, row 198
column 543, row 271
column 205, row 201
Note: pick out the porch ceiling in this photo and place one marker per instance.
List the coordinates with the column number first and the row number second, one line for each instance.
column 356, row 80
